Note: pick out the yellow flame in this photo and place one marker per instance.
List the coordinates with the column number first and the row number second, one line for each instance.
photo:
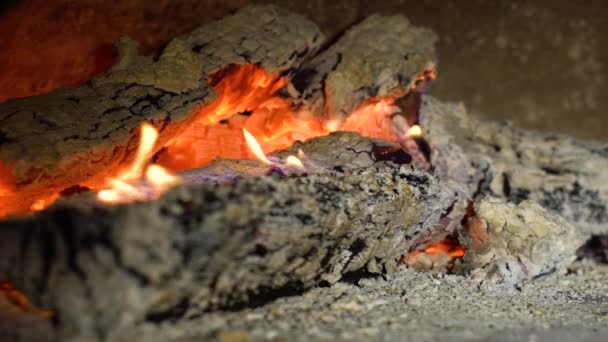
column 255, row 147
column 148, row 137
column 161, row 177
column 414, row 132
column 294, row 161
column 160, row 180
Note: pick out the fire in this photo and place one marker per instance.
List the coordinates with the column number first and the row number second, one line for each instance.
column 246, row 99
column 294, row 162
column 414, row 132
column 435, row 255
column 123, row 188
column 20, row 302
column 255, row 147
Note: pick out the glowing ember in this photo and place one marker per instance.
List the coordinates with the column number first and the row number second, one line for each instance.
column 20, row 301
column 436, row 255
column 157, row 180
column 255, row 147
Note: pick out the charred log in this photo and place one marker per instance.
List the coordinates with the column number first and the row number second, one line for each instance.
column 564, row 175
column 79, row 136
column 207, row 247
column 380, row 57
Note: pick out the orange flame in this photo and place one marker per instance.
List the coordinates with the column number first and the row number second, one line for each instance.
column 20, row 301
column 246, row 98
column 122, row 190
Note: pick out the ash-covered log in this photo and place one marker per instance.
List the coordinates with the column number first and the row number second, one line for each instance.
column 564, row 175
column 208, row 247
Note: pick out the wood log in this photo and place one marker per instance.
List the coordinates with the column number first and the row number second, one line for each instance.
column 82, row 135
column 563, row 174
column 207, row 247
column 383, row 56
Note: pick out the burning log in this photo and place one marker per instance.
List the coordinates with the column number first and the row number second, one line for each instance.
column 84, row 135
column 322, row 208
column 205, row 247
column 382, row 57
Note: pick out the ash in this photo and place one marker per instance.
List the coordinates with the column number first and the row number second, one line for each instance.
column 413, row 306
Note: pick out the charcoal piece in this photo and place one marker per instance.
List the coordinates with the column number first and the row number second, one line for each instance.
column 395, row 154
column 595, row 248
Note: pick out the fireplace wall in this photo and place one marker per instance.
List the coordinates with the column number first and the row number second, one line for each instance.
column 542, row 65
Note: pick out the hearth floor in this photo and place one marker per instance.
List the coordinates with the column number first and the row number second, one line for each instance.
column 412, row 306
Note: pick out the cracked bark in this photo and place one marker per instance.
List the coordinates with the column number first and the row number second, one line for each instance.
column 563, row 174
column 380, row 57
column 234, row 243
column 81, row 135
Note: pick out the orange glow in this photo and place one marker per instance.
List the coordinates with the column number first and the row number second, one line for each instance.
column 122, row 190
column 443, row 251
column 20, row 301
column 450, row 248
column 246, row 98
column 429, row 74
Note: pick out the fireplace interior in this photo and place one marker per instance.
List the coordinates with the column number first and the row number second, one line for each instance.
column 284, row 170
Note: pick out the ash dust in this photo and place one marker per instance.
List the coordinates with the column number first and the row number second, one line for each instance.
column 413, row 306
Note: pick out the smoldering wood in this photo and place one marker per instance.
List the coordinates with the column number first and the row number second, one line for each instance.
column 206, row 247
column 79, row 135
column 563, row 174
column 508, row 243
column 380, row 57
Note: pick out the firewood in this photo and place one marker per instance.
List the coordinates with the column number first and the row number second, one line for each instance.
column 247, row 240
column 380, row 57
column 563, row 174
column 508, row 243
column 81, row 135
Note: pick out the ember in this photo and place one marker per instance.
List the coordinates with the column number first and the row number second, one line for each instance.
column 20, row 301
column 436, row 255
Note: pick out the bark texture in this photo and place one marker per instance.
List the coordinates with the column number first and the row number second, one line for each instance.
column 510, row 243
column 564, row 175
column 381, row 56
column 206, row 247
column 81, row 135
